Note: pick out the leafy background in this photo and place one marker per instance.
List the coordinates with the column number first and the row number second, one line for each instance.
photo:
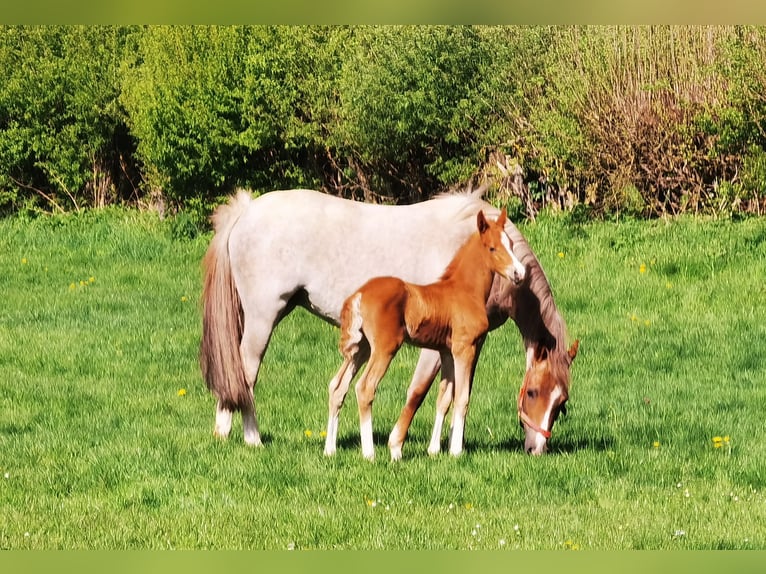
column 641, row 120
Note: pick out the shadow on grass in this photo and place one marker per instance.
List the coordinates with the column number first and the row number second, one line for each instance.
column 565, row 445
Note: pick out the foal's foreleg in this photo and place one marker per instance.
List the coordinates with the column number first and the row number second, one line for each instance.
column 464, row 369
column 422, row 379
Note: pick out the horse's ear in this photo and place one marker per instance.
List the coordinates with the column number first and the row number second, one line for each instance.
column 481, row 222
column 502, row 218
column 572, row 352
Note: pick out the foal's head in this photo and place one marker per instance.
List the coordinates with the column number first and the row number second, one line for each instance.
column 500, row 247
column 544, row 393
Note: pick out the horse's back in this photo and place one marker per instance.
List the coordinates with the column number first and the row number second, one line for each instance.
column 326, row 247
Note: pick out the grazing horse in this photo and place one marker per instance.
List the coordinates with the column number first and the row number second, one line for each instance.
column 305, row 248
column 448, row 316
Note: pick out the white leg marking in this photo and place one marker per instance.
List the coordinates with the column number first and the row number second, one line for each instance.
column 456, row 440
column 368, row 448
column 435, row 446
column 332, row 436
column 250, row 424
column 222, row 422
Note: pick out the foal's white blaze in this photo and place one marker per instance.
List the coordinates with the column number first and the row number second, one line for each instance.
column 517, row 271
column 534, row 442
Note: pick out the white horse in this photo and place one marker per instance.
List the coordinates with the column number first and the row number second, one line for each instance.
column 302, row 247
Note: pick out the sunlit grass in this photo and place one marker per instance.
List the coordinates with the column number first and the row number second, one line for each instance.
column 106, row 426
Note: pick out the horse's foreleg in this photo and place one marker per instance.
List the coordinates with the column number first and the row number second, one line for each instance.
column 422, row 379
column 365, row 394
column 337, row 394
column 464, row 367
column 443, row 402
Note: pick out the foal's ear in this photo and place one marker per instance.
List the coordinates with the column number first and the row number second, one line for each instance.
column 502, row 218
column 481, row 222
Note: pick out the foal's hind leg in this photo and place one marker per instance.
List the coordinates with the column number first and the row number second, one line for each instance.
column 365, row 393
column 422, row 379
column 338, row 390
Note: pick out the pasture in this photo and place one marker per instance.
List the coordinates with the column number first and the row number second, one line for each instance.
column 106, row 426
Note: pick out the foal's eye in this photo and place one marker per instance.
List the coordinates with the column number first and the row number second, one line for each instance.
column 491, row 249
column 531, row 393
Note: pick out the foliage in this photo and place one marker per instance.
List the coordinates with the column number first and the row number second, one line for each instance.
column 62, row 134
column 643, row 120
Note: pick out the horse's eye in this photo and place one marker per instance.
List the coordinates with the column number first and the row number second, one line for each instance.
column 531, row 393
column 491, row 249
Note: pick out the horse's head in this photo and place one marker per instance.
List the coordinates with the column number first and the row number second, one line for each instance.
column 544, row 394
column 500, row 247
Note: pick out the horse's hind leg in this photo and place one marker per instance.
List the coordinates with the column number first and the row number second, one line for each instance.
column 339, row 388
column 255, row 340
column 422, row 379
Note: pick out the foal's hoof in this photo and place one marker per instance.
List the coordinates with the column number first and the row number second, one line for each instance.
column 396, row 453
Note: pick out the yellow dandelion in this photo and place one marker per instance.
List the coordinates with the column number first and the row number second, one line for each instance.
column 642, row 268
column 183, row 299
column 570, row 545
column 561, row 255
column 91, row 279
column 181, row 392
column 647, row 323
column 468, row 506
column 82, row 283
column 24, row 261
column 656, row 444
column 668, row 285
column 633, row 317
column 323, row 434
column 717, row 442
column 308, row 433
column 72, row 286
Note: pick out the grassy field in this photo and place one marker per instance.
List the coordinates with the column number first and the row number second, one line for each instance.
column 105, row 423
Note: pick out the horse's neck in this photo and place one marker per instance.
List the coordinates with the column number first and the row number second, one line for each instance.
column 469, row 269
column 532, row 309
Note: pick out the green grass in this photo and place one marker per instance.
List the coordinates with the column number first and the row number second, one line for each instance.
column 98, row 450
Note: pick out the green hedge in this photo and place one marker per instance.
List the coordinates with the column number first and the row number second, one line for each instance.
column 637, row 120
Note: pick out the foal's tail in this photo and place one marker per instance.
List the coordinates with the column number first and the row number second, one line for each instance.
column 222, row 320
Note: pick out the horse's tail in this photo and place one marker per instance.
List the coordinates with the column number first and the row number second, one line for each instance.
column 222, row 318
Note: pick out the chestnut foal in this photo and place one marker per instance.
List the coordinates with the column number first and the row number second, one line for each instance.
column 449, row 316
